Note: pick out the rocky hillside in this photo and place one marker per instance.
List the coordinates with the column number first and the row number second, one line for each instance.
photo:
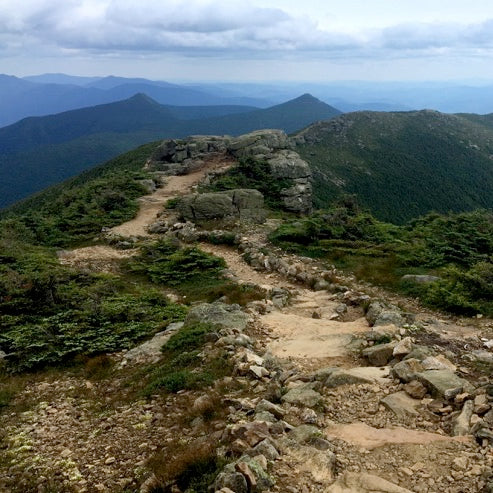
column 187, row 353
column 401, row 165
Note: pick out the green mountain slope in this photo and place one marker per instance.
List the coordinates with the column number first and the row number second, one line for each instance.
column 290, row 116
column 401, row 165
column 39, row 152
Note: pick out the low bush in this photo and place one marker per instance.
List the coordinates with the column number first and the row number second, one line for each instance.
column 49, row 313
column 192, row 467
column 456, row 247
column 192, row 273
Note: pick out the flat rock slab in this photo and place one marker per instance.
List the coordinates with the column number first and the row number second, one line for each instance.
column 362, row 435
column 358, row 375
column 319, row 464
column 302, row 396
column 219, row 315
column 150, row 351
column 401, row 404
column 352, row 482
column 439, row 381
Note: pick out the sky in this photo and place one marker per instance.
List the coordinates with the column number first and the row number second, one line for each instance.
column 250, row 40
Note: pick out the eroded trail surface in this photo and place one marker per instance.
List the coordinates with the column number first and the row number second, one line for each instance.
column 313, row 413
column 354, row 420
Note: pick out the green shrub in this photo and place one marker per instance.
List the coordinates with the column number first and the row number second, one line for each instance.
column 252, row 173
column 169, row 264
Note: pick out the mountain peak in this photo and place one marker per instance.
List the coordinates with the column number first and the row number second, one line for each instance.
column 307, row 98
column 140, row 97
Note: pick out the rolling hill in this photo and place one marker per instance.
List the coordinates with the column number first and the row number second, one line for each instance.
column 402, row 165
column 40, row 151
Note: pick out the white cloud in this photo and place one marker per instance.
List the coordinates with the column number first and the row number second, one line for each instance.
column 216, row 28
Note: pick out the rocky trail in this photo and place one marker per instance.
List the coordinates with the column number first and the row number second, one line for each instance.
column 333, row 390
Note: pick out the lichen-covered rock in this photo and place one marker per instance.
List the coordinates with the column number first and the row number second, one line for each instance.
column 219, row 315
column 303, row 395
column 243, row 204
column 440, row 381
column 182, row 156
column 380, row 354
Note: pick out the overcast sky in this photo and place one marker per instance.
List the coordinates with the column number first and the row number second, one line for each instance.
column 250, row 39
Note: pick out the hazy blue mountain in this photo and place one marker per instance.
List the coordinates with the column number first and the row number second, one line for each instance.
column 39, row 151
column 21, row 98
column 60, row 79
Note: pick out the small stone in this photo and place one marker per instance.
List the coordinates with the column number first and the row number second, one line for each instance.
column 415, row 389
column 259, row 371
column 110, row 460
column 403, row 347
column 309, row 416
column 244, row 469
column 267, row 449
column 66, row 453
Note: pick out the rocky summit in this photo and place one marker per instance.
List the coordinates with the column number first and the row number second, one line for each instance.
column 183, row 156
column 180, row 350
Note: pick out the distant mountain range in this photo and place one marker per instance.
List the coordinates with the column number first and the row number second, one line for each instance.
column 50, row 94
column 40, row 151
column 404, row 164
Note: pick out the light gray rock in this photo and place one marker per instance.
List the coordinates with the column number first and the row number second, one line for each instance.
column 243, row 204
column 265, row 405
column 235, row 481
column 150, row 351
column 379, row 354
column 439, row 382
column 401, row 404
column 302, row 396
column 374, row 310
column 462, row 422
column 403, row 347
column 420, row 279
column 219, row 315
column 267, row 449
column 389, row 317
column 304, row 433
column 406, row 370
column 258, row 371
column 354, row 376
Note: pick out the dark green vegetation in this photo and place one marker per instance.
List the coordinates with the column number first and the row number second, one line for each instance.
column 51, row 314
column 402, row 165
column 192, row 273
column 456, row 247
column 42, row 151
column 183, row 367
column 252, row 173
column 75, row 211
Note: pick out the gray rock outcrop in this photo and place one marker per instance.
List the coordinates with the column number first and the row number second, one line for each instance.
column 243, row 204
column 182, row 156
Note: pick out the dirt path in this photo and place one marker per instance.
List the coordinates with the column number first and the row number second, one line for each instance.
column 102, row 257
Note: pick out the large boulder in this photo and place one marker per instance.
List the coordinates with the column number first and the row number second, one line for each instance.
column 219, row 315
column 243, row 204
column 288, row 165
column 259, row 143
column 440, row 382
